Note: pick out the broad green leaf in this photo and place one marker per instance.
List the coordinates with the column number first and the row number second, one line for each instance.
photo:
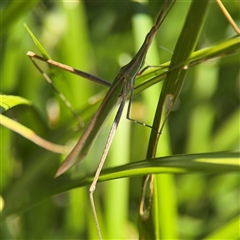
column 8, row 101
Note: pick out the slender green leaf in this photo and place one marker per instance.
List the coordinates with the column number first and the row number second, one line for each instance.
column 13, row 11
column 31, row 135
column 230, row 230
column 207, row 163
column 38, row 44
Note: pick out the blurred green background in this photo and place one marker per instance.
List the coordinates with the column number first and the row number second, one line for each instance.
column 99, row 37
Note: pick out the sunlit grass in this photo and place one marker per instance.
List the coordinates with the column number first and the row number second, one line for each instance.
column 92, row 37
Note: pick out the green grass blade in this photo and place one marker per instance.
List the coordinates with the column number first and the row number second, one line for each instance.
column 37, row 43
column 31, row 135
column 230, row 230
column 8, row 102
column 27, row 170
column 207, row 163
column 181, row 57
column 174, row 81
column 149, row 96
column 155, row 75
column 13, row 12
